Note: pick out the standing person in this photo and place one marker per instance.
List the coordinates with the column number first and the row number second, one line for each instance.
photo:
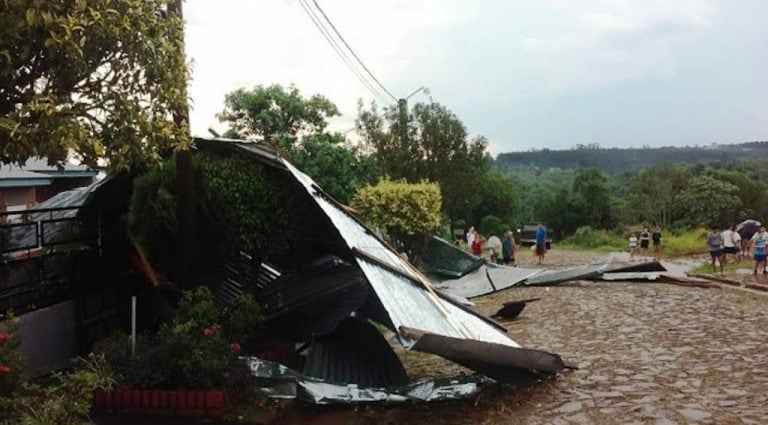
column 632, row 246
column 759, row 240
column 477, row 246
column 730, row 245
column 737, row 242
column 471, row 236
column 541, row 242
column 494, row 248
column 508, row 249
column 645, row 239
column 715, row 243
column 656, row 239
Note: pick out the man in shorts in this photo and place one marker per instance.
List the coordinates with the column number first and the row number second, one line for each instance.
column 759, row 240
column 715, row 243
column 494, row 248
column 730, row 244
column 541, row 242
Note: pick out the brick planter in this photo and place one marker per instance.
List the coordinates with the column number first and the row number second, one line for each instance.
column 185, row 403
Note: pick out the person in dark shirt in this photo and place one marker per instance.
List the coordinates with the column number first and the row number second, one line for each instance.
column 656, row 239
column 645, row 239
column 508, row 249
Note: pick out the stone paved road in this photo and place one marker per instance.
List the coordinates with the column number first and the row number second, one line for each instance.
column 647, row 353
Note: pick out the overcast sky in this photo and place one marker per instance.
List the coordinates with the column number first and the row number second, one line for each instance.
column 526, row 74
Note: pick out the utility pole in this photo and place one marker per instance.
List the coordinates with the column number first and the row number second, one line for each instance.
column 187, row 250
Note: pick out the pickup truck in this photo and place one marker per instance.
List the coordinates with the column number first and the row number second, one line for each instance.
column 527, row 234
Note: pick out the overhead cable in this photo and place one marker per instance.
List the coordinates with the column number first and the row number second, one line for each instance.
column 333, row 27
column 339, row 51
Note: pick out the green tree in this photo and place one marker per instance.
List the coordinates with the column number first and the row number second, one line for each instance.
column 428, row 142
column 408, row 212
column 98, row 78
column 339, row 169
column 708, row 201
column 297, row 125
column 275, row 114
column 592, row 198
column 653, row 194
column 498, row 197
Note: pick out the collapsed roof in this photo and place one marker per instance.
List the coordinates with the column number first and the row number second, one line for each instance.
column 373, row 283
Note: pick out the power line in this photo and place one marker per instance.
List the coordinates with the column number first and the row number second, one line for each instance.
column 352, row 51
column 347, row 61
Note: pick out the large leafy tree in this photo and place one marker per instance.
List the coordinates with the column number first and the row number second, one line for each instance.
column 592, row 198
column 297, row 125
column 428, row 142
column 98, row 78
column 275, row 114
column 653, row 194
column 708, row 201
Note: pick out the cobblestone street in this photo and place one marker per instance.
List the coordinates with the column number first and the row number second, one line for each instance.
column 647, row 353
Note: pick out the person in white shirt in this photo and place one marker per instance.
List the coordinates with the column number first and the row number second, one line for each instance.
column 730, row 245
column 471, row 235
column 632, row 246
column 494, row 248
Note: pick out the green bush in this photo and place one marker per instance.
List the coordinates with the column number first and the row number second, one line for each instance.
column 588, row 238
column 492, row 224
column 197, row 350
column 241, row 205
column 65, row 400
column 11, row 362
column 685, row 242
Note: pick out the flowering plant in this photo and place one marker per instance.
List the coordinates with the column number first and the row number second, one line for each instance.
column 11, row 361
column 198, row 349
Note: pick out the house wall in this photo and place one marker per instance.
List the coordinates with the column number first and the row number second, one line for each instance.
column 48, row 338
column 13, row 198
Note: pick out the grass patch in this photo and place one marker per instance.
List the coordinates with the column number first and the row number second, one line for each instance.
column 672, row 243
column 706, row 266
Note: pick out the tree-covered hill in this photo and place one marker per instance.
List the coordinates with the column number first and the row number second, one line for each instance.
column 619, row 160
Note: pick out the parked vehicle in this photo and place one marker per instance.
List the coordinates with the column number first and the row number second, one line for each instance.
column 527, row 234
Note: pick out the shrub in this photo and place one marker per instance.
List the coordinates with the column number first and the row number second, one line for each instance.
column 11, row 362
column 197, row 350
column 241, row 206
column 589, row 238
column 407, row 212
column 65, row 400
column 492, row 224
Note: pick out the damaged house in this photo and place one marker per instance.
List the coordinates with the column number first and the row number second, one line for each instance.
column 329, row 297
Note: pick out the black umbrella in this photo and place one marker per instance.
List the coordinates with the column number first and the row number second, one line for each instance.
column 747, row 228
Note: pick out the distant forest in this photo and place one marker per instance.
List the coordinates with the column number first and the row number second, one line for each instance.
column 621, row 160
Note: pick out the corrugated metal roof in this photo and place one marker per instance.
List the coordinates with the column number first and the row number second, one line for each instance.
column 406, row 303
column 487, row 279
column 551, row 277
column 355, row 352
column 441, row 258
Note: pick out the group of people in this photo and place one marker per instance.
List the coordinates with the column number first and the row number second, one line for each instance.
column 730, row 241
column 494, row 249
column 645, row 239
column 503, row 251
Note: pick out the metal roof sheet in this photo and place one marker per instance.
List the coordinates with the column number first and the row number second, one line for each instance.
column 407, row 303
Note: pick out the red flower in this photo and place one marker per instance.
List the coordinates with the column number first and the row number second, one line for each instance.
column 234, row 347
column 211, row 330
column 5, row 369
column 4, row 337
